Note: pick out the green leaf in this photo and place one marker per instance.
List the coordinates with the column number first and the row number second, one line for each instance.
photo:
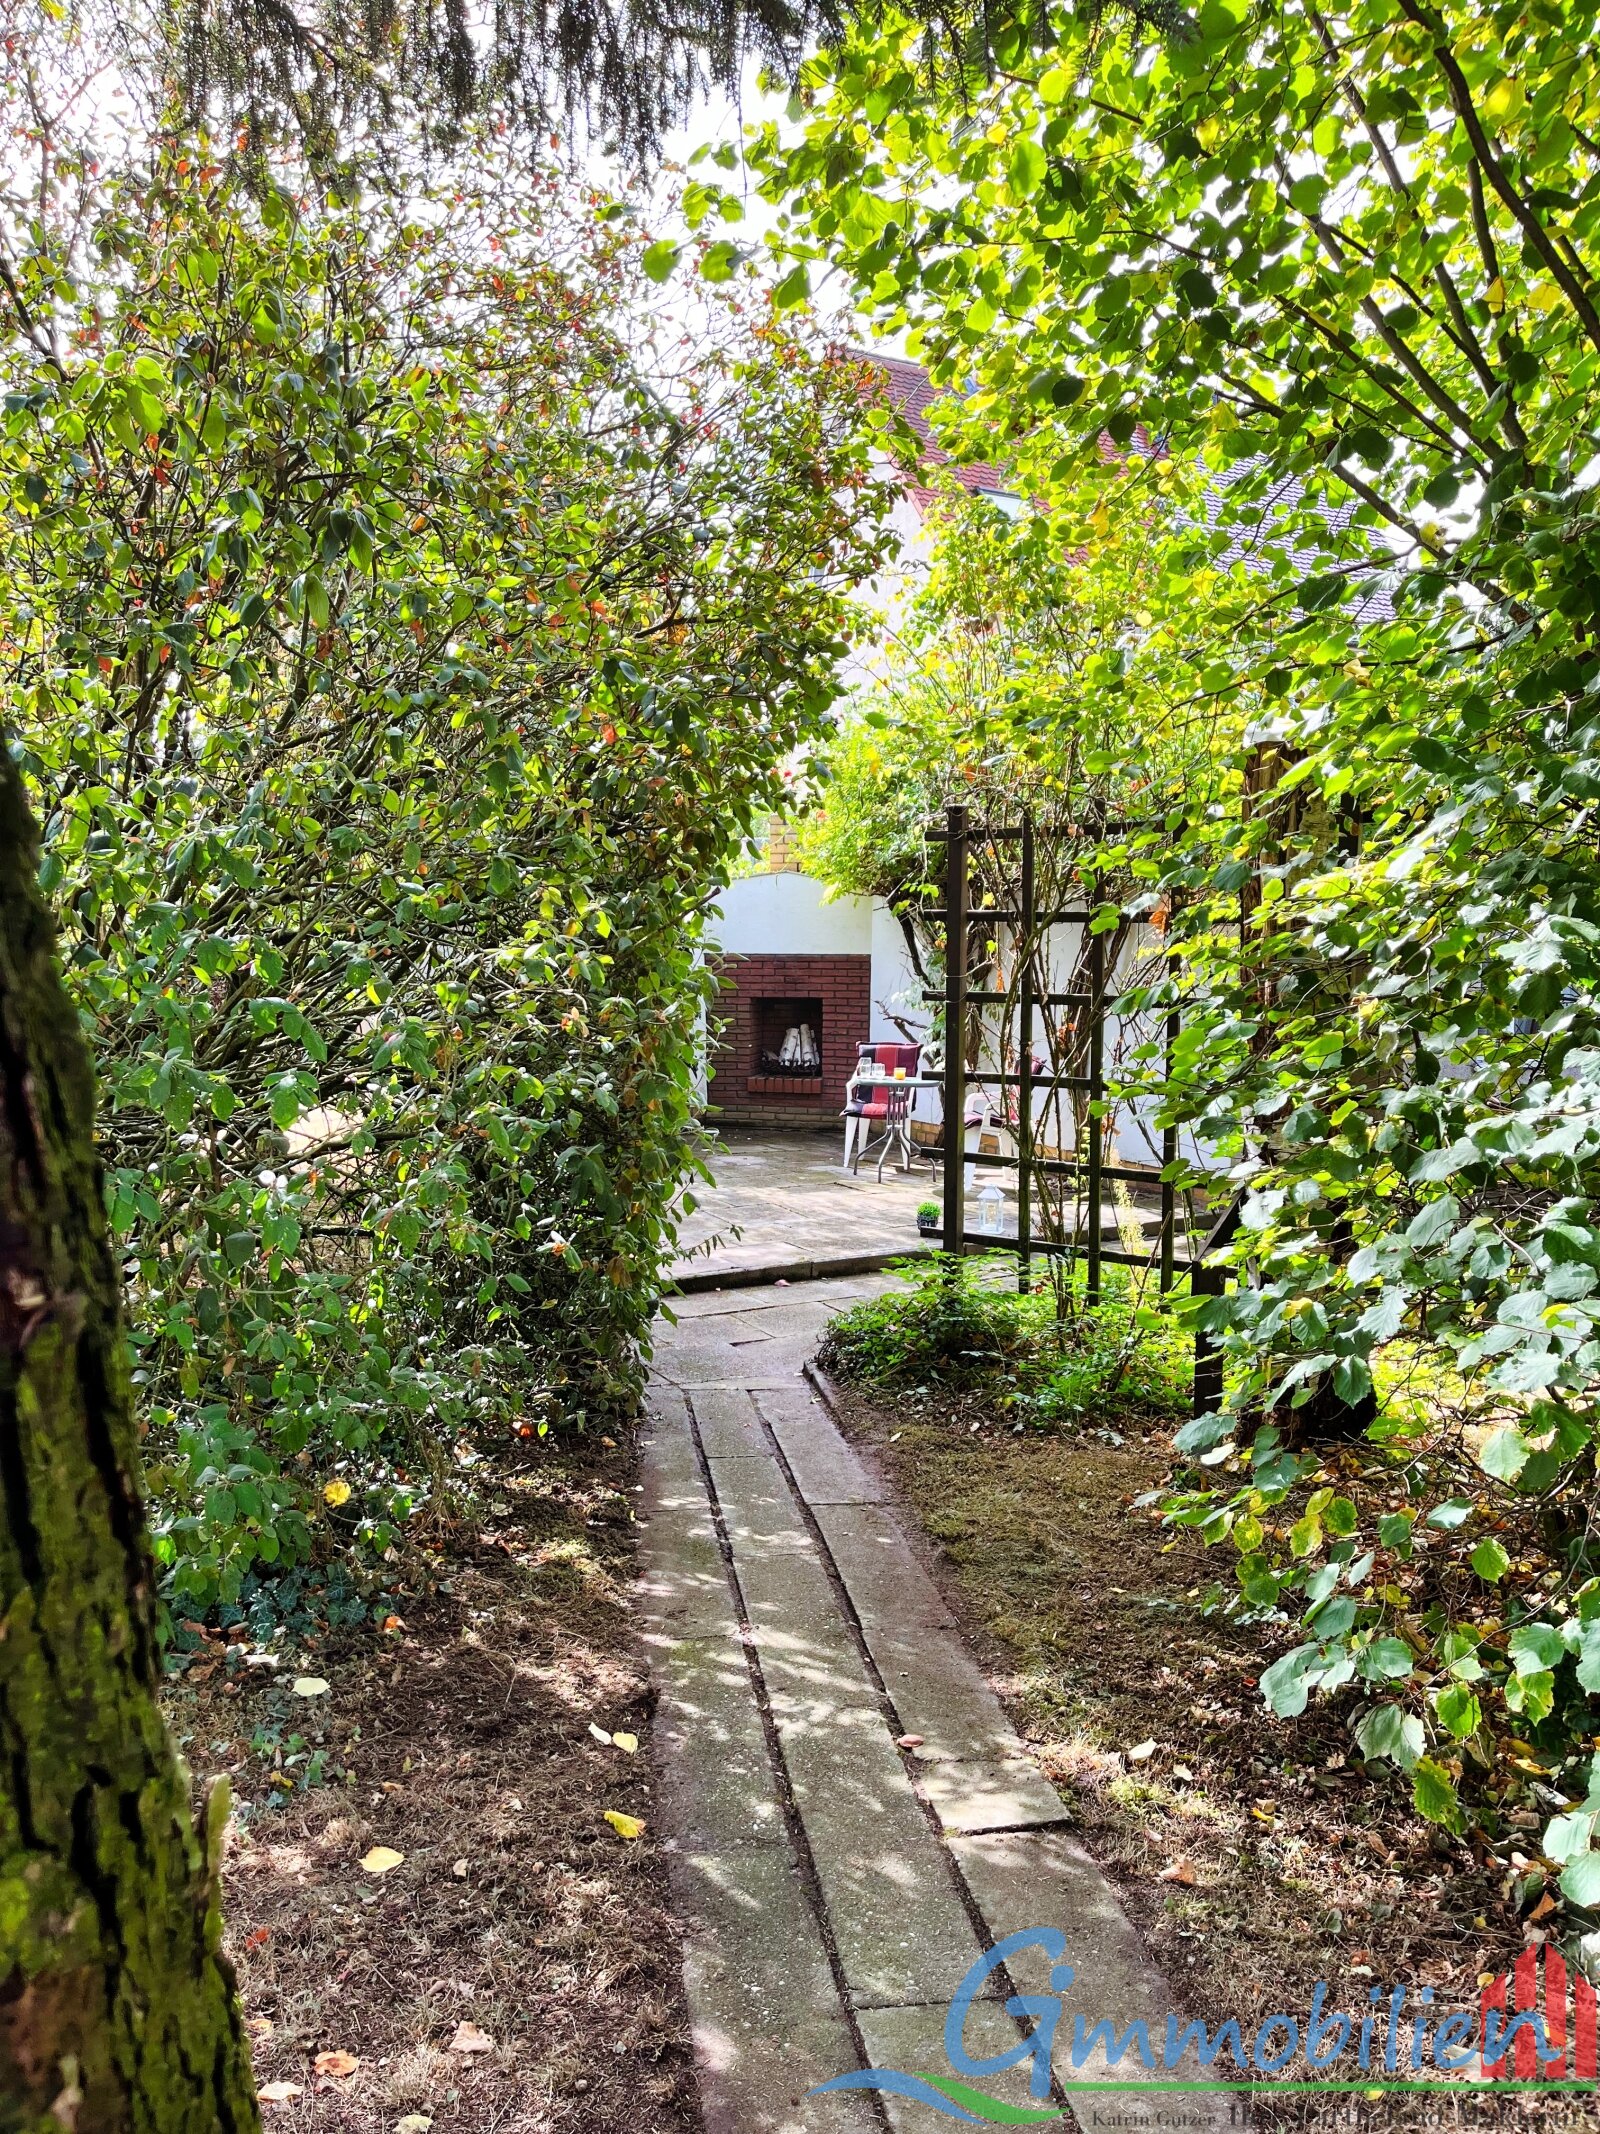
column 1534, row 1647
column 793, row 290
column 1456, row 1512
column 660, row 259
column 720, row 260
column 1434, row 1793
column 1505, row 1454
column 1459, row 1710
column 1390, row 1656
column 1333, row 1618
column 1305, row 1536
column 1027, row 167
column 1580, row 1881
column 1432, row 1222
column 1568, row 1837
column 1384, row 1732
column 1284, row 1685
column 1533, row 1695
column 1394, row 1531
column 1490, row 1561
column 1352, row 1380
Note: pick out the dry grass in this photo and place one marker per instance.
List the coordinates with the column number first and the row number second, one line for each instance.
column 461, row 1740
column 1256, row 1855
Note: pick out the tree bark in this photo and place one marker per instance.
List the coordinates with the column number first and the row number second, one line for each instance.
column 118, row 2010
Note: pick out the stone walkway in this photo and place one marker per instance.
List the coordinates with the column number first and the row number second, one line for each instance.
column 784, row 1208
column 836, row 1875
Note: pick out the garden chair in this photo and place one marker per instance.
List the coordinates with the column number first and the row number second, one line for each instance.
column 866, row 1108
column 896, row 1126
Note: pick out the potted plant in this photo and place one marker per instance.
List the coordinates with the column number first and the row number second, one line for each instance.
column 929, row 1217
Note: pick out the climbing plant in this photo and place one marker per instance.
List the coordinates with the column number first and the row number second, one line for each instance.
column 1047, row 660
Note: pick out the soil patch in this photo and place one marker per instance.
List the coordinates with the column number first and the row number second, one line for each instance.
column 1256, row 1855
column 516, row 1970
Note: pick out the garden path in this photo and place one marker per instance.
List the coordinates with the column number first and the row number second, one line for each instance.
column 848, row 1816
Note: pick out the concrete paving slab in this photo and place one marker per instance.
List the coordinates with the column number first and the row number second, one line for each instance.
column 770, row 1364
column 684, row 1581
column 885, row 1582
column 1025, row 1879
column 729, row 1426
column 828, row 1296
column 939, row 1692
column 912, row 2041
column 898, row 1922
column 765, row 2017
column 785, row 1197
column 1011, row 1794
column 714, row 1779
column 755, row 1499
column 826, row 1469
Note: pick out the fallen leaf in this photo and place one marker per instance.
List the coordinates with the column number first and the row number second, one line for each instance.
column 381, row 1859
column 627, row 1743
column 1182, row 1771
column 258, row 1937
column 1142, row 1752
column 309, row 1686
column 337, row 1493
column 909, row 1741
column 626, row 1826
column 469, row 2038
column 1543, row 1908
column 413, row 2123
column 1180, row 1871
column 460, row 1870
column 336, row 2063
column 278, row 2092
column 599, row 1733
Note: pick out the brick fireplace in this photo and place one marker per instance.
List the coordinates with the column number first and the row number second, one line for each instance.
column 764, row 998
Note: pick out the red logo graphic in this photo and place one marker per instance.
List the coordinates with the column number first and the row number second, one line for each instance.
column 1566, row 2007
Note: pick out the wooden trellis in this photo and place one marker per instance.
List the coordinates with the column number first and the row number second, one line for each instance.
column 1085, row 1169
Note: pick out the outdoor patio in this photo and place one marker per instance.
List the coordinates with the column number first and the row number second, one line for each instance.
column 784, row 1209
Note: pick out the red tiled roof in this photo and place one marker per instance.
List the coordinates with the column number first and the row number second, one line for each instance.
column 908, row 388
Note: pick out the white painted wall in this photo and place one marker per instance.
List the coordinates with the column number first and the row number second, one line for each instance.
column 789, row 915
column 895, row 985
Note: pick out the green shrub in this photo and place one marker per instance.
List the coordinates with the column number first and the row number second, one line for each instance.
column 964, row 1325
column 398, row 660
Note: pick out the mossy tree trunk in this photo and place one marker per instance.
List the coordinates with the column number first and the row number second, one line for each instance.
column 117, row 2007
